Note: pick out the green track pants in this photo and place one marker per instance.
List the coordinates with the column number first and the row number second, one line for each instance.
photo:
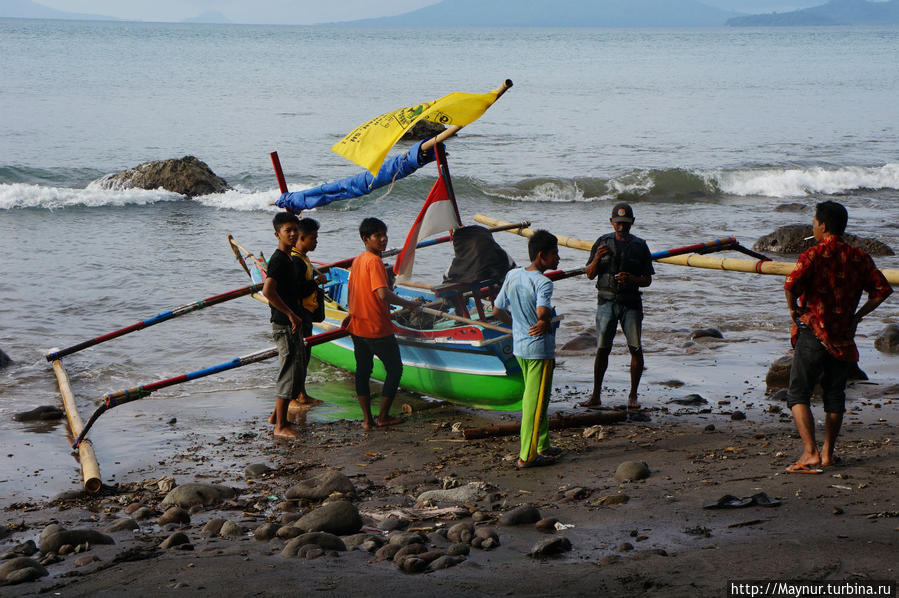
column 538, row 380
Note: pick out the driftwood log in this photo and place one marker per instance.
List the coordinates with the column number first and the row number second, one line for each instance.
column 557, row 423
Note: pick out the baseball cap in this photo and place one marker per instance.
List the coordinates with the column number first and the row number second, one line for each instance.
column 622, row 213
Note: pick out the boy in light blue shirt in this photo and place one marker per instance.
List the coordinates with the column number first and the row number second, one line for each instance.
column 525, row 301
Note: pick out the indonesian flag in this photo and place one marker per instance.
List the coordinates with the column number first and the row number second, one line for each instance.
column 439, row 214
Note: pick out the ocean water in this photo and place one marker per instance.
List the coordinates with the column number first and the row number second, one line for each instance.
column 705, row 132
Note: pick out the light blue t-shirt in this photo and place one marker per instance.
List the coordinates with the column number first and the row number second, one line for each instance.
column 522, row 292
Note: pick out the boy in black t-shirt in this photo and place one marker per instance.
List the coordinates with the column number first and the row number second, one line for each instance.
column 281, row 288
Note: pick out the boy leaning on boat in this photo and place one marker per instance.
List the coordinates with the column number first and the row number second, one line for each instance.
column 370, row 325
column 524, row 301
column 281, row 288
column 308, row 281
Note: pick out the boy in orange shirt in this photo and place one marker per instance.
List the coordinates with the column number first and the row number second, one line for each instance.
column 370, row 325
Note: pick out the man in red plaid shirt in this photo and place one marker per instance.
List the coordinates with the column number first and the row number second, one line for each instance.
column 823, row 292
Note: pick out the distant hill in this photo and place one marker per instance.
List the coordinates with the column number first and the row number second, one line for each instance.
column 556, row 13
column 835, row 12
column 26, row 9
column 210, row 16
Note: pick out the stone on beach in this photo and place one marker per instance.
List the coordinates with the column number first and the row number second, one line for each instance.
column 460, row 532
column 520, row 515
column 212, row 527
column 887, row 340
column 340, row 517
column 175, row 515
column 231, row 530
column 582, row 342
column 706, row 333
column 5, row 359
column 57, row 538
column 793, row 239
column 690, row 400
column 265, row 532
column 550, row 547
column 256, row 470
column 323, row 540
column 321, row 486
column 42, row 413
column 404, row 538
column 471, row 492
column 611, row 500
column 21, row 569
column 176, row 540
column 631, row 471
column 121, row 524
column 197, row 494
column 444, row 562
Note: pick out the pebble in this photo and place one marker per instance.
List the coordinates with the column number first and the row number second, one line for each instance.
column 256, row 470
column 176, row 515
column 520, row 515
column 231, row 530
column 547, row 525
column 458, row 549
column 550, row 546
column 611, row 500
column 86, row 559
column 625, row 547
column 265, row 532
column 212, row 527
column 632, row 470
column 176, row 540
column 460, row 532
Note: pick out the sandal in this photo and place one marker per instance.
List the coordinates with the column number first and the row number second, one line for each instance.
column 540, row 461
column 552, row 451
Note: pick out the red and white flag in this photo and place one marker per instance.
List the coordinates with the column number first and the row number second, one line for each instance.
column 439, row 214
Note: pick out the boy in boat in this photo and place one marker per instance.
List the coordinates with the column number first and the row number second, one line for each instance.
column 281, row 289
column 524, row 301
column 823, row 292
column 370, row 325
column 623, row 265
column 308, row 296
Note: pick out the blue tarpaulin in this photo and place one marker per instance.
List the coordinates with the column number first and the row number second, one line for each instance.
column 394, row 168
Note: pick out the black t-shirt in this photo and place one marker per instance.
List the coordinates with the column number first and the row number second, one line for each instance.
column 280, row 267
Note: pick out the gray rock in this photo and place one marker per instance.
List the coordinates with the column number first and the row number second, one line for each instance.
column 550, row 546
column 309, row 552
column 340, row 517
column 520, row 515
column 547, row 525
column 21, row 569
column 143, row 513
column 887, row 340
column 322, row 486
column 414, row 565
column 404, row 538
column 630, row 471
column 409, row 549
column 86, row 559
column 176, row 540
column 387, row 552
column 185, row 176
column 460, row 532
column 256, row 470
column 212, row 527
column 56, row 540
column 197, row 494
column 690, row 400
column 738, row 416
column 265, row 532
column 582, row 342
column 289, row 518
column 791, row 207
column 486, row 532
column 471, row 492
column 625, row 547
column 231, row 530
column 780, row 396
column 5, row 359
column 444, row 562
column 43, row 413
column 121, row 524
column 778, row 375
column 706, row 333
column 175, row 515
column 459, row 549
column 26, row 548
column 611, row 500
column 322, row 540
column 790, row 239
column 289, row 532
column 392, row 523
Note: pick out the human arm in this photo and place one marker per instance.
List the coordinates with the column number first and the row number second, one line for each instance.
column 640, row 280
column 270, row 292
column 502, row 315
column 391, row 298
column 793, row 305
column 544, row 322
column 592, row 268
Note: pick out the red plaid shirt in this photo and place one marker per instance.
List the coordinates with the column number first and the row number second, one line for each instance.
column 829, row 279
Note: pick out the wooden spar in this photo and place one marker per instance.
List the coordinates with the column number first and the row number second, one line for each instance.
column 90, row 468
column 557, row 423
column 464, row 320
column 694, row 261
column 452, row 130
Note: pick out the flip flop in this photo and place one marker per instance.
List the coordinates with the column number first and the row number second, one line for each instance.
column 798, row 467
column 729, row 501
column 540, row 461
column 763, row 500
column 552, row 451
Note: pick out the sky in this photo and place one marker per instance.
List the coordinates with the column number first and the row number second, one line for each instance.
column 303, row 12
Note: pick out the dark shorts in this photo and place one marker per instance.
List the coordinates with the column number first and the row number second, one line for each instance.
column 291, row 360
column 388, row 351
column 811, row 364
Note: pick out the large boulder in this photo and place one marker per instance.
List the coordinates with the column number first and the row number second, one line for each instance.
column 56, row 539
column 791, row 239
column 887, row 340
column 322, row 486
column 185, row 176
column 340, row 518
column 21, row 569
column 778, row 375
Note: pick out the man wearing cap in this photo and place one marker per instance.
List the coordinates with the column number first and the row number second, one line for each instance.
column 622, row 264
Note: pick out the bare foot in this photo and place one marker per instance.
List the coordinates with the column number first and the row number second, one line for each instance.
column 389, row 421
column 286, row 432
column 591, row 404
column 809, row 460
column 272, row 418
column 632, row 402
column 828, row 460
column 367, row 424
column 305, row 400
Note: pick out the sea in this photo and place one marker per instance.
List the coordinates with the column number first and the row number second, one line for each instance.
column 706, row 132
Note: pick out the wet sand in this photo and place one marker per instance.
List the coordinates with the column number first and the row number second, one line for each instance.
column 838, row 525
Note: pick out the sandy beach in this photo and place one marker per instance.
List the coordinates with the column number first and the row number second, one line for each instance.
column 627, row 538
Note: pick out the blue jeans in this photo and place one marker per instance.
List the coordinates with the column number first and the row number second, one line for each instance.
column 609, row 314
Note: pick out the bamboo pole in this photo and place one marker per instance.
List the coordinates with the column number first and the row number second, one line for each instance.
column 557, row 423
column 90, row 468
column 694, row 261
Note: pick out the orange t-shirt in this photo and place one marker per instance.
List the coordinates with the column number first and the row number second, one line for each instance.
column 371, row 318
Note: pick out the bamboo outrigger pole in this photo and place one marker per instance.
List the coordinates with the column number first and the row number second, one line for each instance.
column 90, row 468
column 695, row 261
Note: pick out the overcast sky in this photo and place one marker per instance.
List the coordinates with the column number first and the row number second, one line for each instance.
column 302, row 12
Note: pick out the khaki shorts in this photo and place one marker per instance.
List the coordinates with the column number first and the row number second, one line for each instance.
column 292, row 362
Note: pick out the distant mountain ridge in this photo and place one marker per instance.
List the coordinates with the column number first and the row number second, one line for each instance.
column 26, row 9
column 556, row 13
column 835, row 12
